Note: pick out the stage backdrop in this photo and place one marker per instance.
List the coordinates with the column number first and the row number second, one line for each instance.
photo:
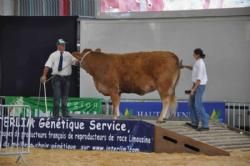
column 25, row 45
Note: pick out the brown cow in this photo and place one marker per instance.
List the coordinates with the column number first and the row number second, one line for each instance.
column 139, row 72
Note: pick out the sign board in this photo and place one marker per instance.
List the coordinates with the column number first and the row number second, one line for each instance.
column 85, row 134
column 216, row 110
column 75, row 105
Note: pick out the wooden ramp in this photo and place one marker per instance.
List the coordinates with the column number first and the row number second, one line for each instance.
column 175, row 136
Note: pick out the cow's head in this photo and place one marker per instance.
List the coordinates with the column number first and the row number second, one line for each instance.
column 79, row 55
column 86, row 51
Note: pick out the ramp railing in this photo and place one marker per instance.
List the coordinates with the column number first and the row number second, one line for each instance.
column 238, row 116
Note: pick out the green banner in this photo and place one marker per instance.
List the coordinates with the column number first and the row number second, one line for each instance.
column 75, row 105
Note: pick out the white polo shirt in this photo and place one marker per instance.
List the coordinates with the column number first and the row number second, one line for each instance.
column 68, row 61
column 199, row 72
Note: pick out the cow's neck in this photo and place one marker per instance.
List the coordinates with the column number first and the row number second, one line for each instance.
column 95, row 64
column 89, row 63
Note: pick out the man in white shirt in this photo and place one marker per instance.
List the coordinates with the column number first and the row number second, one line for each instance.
column 60, row 62
column 199, row 79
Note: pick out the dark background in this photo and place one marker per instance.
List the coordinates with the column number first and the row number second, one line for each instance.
column 25, row 45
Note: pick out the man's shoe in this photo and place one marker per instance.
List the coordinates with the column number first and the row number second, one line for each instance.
column 161, row 121
column 191, row 125
column 203, row 129
column 116, row 117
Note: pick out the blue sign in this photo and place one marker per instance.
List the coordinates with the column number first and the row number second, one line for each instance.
column 216, row 110
column 87, row 134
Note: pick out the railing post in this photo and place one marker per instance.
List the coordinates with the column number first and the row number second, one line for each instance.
column 239, row 117
column 244, row 116
column 233, row 114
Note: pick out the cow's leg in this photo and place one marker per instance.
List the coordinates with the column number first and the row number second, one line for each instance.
column 165, row 92
column 115, row 97
column 165, row 106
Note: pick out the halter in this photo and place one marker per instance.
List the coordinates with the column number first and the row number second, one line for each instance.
column 84, row 56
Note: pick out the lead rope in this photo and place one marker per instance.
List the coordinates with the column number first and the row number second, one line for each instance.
column 45, row 96
column 38, row 100
column 84, row 56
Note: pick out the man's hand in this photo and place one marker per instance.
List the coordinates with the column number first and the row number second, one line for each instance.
column 43, row 79
column 78, row 64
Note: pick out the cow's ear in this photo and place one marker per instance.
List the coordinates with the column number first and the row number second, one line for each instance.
column 98, row 50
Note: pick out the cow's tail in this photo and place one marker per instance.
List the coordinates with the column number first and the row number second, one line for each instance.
column 180, row 64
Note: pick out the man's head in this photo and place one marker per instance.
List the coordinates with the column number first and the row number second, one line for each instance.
column 60, row 44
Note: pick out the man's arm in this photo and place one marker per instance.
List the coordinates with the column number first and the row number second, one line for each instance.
column 75, row 62
column 188, row 67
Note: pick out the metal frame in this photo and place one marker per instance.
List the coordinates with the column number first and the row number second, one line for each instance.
column 238, row 116
column 15, row 130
